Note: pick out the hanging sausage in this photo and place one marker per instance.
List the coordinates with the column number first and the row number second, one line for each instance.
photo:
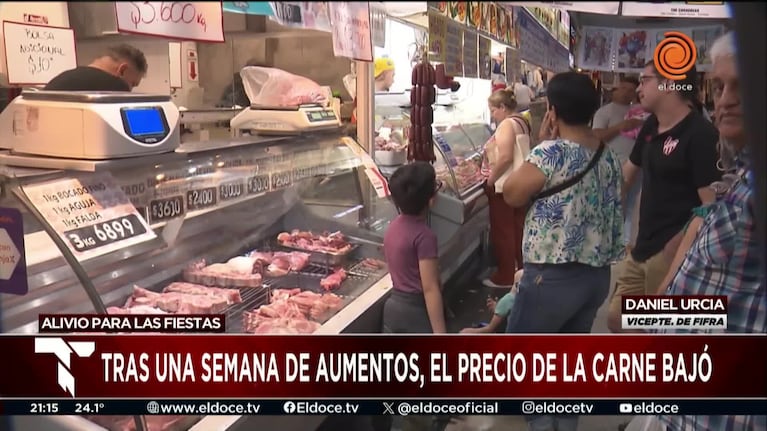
column 422, row 97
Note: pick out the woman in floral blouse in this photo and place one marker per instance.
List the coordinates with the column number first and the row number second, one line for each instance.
column 571, row 237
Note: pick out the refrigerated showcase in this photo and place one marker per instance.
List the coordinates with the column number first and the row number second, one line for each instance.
column 204, row 202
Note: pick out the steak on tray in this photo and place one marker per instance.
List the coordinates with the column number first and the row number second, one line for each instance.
column 288, row 311
column 334, row 280
column 178, row 303
column 332, row 243
column 240, row 271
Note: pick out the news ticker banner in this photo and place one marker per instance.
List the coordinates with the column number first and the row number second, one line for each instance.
column 383, row 366
column 453, row 407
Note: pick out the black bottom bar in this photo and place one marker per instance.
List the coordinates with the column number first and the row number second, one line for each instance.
column 383, row 407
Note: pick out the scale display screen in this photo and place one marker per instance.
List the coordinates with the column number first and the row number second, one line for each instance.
column 147, row 125
column 316, row 116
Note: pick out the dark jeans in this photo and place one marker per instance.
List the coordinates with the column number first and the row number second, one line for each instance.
column 553, row 299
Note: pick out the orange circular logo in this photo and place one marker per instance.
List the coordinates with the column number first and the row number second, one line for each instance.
column 675, row 55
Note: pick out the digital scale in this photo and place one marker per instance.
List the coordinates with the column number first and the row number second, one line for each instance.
column 90, row 125
column 285, row 120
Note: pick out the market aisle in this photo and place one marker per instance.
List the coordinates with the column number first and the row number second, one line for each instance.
column 475, row 300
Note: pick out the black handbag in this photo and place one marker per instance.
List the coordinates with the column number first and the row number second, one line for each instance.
column 574, row 180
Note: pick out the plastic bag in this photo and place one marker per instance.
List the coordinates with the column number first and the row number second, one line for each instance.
column 267, row 86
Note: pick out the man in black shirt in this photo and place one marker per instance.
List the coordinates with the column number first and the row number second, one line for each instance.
column 676, row 151
column 119, row 68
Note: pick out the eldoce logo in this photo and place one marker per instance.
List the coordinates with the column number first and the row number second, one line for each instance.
column 63, row 352
column 675, row 55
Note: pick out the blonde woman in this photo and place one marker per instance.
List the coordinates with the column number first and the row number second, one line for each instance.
column 506, row 223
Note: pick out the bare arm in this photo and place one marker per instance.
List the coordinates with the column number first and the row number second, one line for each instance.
column 523, row 184
column 630, row 172
column 432, row 294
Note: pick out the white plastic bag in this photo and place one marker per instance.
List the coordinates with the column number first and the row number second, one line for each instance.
column 267, row 86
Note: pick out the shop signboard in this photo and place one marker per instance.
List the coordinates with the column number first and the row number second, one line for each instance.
column 197, row 21
column 352, row 34
column 91, row 214
column 454, row 49
column 676, row 9
column 470, row 54
column 263, row 8
column 35, row 54
column 437, row 36
column 485, row 59
column 533, row 44
column 604, row 8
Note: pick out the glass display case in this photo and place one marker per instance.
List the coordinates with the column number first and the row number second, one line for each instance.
column 218, row 223
column 460, row 147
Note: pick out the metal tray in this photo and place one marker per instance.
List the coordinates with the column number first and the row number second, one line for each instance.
column 321, row 257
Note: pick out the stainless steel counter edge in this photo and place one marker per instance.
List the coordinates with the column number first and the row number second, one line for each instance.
column 334, row 326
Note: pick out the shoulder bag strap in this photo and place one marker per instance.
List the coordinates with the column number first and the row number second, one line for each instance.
column 574, row 180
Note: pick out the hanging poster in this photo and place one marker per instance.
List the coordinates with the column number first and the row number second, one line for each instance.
column 474, row 16
column 454, row 49
column 351, row 30
column 634, row 49
column 440, row 6
column 485, row 59
column 198, row 21
column 457, row 11
column 605, row 8
column 310, row 15
column 533, row 43
column 470, row 54
column 503, row 25
column 704, row 37
column 675, row 9
column 437, row 35
column 512, row 33
column 595, row 49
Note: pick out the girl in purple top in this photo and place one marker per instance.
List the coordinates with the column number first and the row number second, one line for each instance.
column 415, row 305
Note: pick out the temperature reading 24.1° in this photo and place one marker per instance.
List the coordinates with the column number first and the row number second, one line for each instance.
column 88, row 408
column 108, row 232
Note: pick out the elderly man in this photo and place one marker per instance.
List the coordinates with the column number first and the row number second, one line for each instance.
column 720, row 252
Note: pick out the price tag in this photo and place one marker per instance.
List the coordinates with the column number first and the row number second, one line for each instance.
column 258, row 184
column 280, row 180
column 231, row 190
column 91, row 213
column 197, row 199
column 303, row 173
column 166, row 208
column 105, row 233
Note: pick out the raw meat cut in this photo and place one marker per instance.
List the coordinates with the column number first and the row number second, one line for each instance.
column 178, row 303
column 267, row 86
column 232, row 295
column 137, row 309
column 332, row 243
column 238, row 272
column 283, row 263
column 334, row 280
column 314, row 305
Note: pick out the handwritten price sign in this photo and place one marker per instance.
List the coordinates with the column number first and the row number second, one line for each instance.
column 198, row 21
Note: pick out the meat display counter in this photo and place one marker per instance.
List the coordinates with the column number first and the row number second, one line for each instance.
column 459, row 216
column 229, row 224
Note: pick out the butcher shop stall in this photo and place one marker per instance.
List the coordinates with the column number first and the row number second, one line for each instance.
column 443, row 117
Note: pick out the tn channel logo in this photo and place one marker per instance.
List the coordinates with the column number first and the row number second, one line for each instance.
column 289, row 407
column 63, row 352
